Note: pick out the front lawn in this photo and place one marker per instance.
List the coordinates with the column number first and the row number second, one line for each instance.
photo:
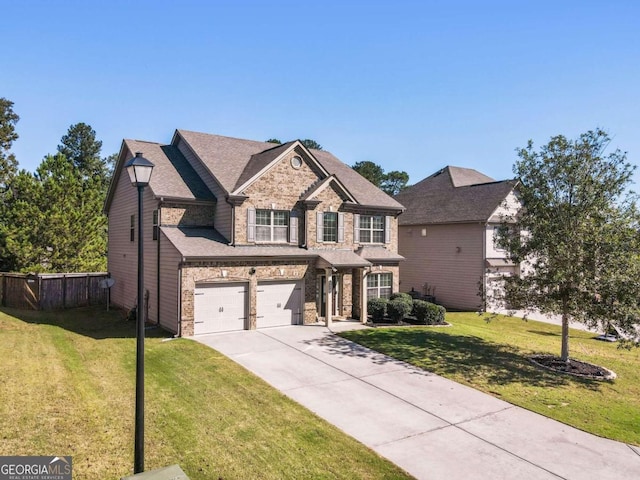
column 68, row 389
column 492, row 357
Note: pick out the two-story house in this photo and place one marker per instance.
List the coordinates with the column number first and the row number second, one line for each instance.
column 240, row 234
column 447, row 235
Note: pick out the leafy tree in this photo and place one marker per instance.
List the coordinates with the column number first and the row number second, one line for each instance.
column 576, row 235
column 391, row 183
column 80, row 146
column 74, row 239
column 394, row 182
column 311, row 144
column 371, row 171
column 21, row 228
column 8, row 135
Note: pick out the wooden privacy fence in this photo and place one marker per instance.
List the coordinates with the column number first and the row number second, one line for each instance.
column 52, row 291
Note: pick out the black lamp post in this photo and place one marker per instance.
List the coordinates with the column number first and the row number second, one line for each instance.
column 139, row 169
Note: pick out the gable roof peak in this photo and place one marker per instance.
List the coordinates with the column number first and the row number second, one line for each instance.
column 464, row 177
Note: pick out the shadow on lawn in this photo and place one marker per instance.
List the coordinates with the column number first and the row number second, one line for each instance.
column 336, row 345
column 468, row 357
column 94, row 322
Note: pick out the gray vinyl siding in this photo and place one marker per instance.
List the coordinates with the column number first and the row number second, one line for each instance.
column 122, row 260
column 169, row 288
column 223, row 214
column 435, row 261
column 122, row 255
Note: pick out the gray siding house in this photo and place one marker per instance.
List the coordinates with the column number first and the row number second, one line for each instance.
column 447, row 232
column 240, row 234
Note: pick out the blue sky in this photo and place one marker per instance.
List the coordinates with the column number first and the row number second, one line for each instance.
column 410, row 85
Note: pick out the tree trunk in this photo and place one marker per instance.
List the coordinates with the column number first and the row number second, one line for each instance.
column 564, row 355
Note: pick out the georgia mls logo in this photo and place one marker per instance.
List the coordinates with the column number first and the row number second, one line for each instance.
column 35, row 468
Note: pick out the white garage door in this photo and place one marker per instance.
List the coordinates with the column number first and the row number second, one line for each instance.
column 279, row 303
column 219, row 307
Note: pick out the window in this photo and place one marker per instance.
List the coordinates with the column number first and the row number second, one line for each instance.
column 132, row 228
column 379, row 285
column 371, row 229
column 330, row 227
column 155, row 224
column 272, row 226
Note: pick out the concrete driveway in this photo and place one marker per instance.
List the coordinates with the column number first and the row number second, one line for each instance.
column 430, row 426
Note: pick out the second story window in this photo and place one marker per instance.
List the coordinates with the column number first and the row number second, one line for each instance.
column 272, row 226
column 132, row 228
column 371, row 228
column 330, row 227
column 155, row 225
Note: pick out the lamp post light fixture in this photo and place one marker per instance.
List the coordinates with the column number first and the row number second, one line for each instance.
column 139, row 170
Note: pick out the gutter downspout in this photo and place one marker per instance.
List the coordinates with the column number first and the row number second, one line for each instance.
column 484, row 266
column 232, row 239
column 158, row 264
column 179, row 334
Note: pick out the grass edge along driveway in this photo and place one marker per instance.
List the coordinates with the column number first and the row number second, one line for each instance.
column 68, row 389
column 492, row 357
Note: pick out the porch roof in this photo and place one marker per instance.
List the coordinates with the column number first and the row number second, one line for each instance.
column 339, row 259
column 377, row 254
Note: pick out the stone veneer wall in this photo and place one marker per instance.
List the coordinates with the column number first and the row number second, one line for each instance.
column 281, row 187
column 357, row 284
column 195, row 272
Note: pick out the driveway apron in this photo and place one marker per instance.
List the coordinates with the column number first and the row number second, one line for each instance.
column 430, row 426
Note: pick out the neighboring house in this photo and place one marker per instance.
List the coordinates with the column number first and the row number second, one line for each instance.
column 241, row 234
column 447, row 235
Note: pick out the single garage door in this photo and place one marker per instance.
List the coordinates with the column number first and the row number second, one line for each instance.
column 279, row 303
column 219, row 307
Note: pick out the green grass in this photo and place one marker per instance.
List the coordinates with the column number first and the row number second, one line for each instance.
column 492, row 357
column 68, row 389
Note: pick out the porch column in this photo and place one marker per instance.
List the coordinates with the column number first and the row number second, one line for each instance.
column 363, row 297
column 328, row 292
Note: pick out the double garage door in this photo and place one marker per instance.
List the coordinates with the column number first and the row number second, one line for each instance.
column 223, row 307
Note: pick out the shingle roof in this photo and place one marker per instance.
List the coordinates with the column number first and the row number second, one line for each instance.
column 234, row 161
column 200, row 242
column 341, row 258
column 259, row 161
column 375, row 253
column 172, row 176
column 453, row 195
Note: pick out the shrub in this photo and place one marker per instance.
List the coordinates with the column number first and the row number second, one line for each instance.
column 405, row 297
column 429, row 313
column 421, row 310
column 398, row 308
column 377, row 308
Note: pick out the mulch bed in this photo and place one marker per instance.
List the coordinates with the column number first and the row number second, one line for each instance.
column 573, row 367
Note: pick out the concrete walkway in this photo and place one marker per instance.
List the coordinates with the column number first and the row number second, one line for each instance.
column 430, row 426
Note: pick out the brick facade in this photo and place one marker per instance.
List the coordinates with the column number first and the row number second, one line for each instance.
column 194, row 273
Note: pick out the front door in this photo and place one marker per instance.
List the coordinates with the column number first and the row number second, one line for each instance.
column 322, row 300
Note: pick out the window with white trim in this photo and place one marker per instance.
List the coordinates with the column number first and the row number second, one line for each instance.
column 272, row 226
column 379, row 285
column 371, row 229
